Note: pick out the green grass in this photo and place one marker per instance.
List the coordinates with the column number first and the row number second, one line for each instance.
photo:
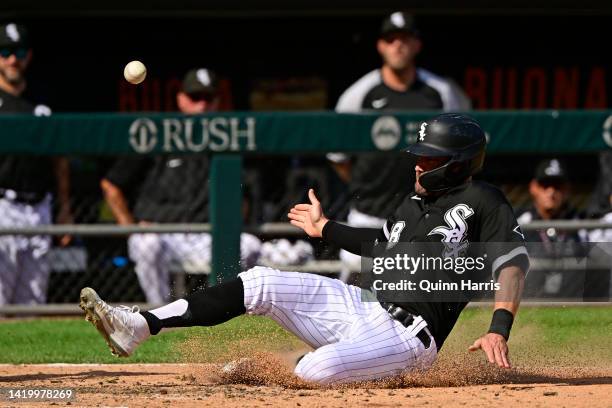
column 546, row 335
column 76, row 341
column 579, row 334
column 555, row 324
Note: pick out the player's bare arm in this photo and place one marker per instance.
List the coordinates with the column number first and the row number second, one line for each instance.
column 64, row 215
column 117, row 202
column 507, row 300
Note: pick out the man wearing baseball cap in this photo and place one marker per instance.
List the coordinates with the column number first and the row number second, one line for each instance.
column 26, row 184
column 15, row 56
column 550, row 189
column 397, row 86
column 200, row 92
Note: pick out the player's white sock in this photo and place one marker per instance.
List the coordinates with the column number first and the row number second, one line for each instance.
column 174, row 309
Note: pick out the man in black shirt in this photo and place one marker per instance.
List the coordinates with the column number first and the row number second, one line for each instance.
column 170, row 189
column 26, row 183
column 377, row 180
column 355, row 336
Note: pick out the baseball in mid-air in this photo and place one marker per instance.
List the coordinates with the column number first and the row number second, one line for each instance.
column 135, row 72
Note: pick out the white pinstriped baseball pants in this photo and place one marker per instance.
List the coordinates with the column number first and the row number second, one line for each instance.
column 155, row 253
column 354, row 340
column 24, row 270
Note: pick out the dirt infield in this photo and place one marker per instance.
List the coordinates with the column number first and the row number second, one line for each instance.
column 269, row 383
column 562, row 358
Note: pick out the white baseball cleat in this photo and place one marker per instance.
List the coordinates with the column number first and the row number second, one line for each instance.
column 123, row 328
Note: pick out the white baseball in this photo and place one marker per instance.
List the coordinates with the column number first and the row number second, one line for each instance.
column 135, row 72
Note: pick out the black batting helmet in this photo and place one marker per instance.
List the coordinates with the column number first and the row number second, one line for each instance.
column 454, row 135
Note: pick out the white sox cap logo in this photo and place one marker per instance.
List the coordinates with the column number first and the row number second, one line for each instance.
column 203, row 76
column 422, row 131
column 553, row 169
column 397, row 19
column 12, row 32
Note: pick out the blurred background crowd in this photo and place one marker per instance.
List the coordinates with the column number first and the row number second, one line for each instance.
column 354, row 62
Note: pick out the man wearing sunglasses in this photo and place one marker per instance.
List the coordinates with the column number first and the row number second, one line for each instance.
column 13, row 62
column 15, row 56
column 170, row 189
column 376, row 180
column 550, row 192
column 26, row 183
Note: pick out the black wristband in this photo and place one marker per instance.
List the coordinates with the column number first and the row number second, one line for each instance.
column 355, row 240
column 501, row 323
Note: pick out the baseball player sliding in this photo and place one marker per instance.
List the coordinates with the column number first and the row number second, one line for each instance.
column 355, row 339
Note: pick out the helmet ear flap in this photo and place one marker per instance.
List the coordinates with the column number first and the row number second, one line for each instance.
column 478, row 162
column 455, row 169
column 443, row 177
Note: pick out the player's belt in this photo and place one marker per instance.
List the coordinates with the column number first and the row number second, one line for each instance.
column 406, row 319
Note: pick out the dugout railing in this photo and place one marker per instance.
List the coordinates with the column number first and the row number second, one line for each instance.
column 228, row 135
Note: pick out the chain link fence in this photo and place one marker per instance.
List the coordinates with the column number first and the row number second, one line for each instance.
column 102, row 259
column 163, row 249
column 136, row 191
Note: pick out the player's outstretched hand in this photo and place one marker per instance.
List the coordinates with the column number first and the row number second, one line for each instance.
column 495, row 347
column 309, row 217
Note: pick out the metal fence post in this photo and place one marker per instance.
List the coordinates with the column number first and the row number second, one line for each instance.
column 225, row 216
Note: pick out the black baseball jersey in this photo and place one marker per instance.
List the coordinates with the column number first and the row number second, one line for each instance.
column 170, row 188
column 380, row 181
column 418, row 96
column 474, row 212
column 26, row 174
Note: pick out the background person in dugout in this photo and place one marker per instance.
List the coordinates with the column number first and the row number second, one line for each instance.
column 376, row 181
column 598, row 287
column 550, row 191
column 174, row 189
column 26, row 183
